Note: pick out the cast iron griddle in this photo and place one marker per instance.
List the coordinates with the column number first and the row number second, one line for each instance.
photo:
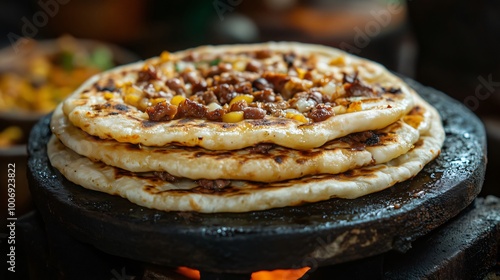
column 330, row 232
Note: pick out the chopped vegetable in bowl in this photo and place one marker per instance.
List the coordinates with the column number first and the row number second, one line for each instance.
column 46, row 76
column 42, row 74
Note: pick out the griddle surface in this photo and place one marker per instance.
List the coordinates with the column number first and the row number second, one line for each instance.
column 324, row 233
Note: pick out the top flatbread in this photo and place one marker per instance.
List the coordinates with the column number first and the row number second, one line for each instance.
column 242, row 196
column 108, row 112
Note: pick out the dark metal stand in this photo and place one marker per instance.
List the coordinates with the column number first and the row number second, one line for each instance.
column 290, row 237
column 467, row 247
column 278, row 238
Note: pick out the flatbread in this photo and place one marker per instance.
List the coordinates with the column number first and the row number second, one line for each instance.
column 241, row 196
column 107, row 114
column 243, row 128
column 263, row 163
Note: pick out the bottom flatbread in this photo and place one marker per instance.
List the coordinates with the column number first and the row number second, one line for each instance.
column 242, row 196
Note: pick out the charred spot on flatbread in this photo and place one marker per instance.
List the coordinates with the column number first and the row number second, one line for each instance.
column 121, row 107
column 148, row 123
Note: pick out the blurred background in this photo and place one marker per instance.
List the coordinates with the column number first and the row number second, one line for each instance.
column 453, row 46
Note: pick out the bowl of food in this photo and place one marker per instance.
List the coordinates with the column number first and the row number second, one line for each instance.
column 33, row 79
column 39, row 74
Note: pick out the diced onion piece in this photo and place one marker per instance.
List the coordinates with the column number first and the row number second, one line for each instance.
column 143, row 104
column 340, row 91
column 294, row 85
column 329, row 89
column 189, row 89
column 133, row 95
column 233, row 117
column 178, row 99
column 168, row 69
column 243, row 97
column 180, row 66
column 339, row 110
column 213, row 106
column 304, row 105
column 157, row 85
column 239, row 65
column 322, row 66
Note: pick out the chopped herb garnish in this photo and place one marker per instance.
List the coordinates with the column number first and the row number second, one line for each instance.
column 214, row 62
column 101, row 58
column 66, row 60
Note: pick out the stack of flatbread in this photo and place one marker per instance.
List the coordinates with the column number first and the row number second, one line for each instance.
column 243, row 127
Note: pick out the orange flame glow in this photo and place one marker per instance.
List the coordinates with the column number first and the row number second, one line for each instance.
column 188, row 272
column 280, row 274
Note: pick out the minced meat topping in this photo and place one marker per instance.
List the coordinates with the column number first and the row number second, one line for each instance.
column 232, row 87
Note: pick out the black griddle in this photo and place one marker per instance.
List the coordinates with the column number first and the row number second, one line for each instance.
column 318, row 234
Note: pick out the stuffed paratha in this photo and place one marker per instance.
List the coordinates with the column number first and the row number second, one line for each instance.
column 263, row 162
column 294, row 95
column 148, row 190
column 242, row 128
